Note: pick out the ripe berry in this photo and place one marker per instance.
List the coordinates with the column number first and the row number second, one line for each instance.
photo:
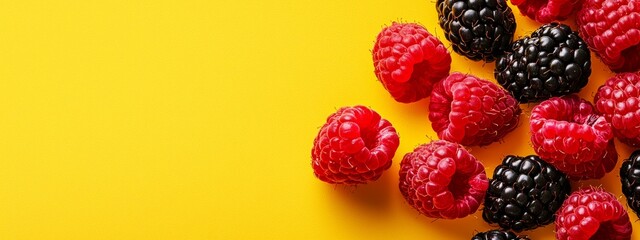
column 442, row 180
column 546, row 11
column 524, row 193
column 630, row 178
column 592, row 214
column 497, row 235
column 477, row 29
column 354, row 146
column 618, row 100
column 472, row 111
column 408, row 60
column 553, row 61
column 611, row 29
column 566, row 132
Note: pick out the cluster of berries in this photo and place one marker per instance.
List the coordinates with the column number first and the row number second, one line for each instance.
column 573, row 139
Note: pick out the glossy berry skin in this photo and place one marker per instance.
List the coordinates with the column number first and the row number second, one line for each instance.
column 354, row 146
column 498, row 235
column 442, row 180
column 553, row 61
column 594, row 169
column 477, row 29
column 471, row 111
column 592, row 214
column 630, row 179
column 611, row 29
column 408, row 60
column 566, row 132
column 618, row 100
column 546, row 11
column 524, row 193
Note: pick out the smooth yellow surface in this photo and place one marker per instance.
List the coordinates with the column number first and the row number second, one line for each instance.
column 192, row 119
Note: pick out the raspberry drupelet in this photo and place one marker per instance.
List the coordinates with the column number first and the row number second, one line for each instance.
column 408, row 60
column 442, row 180
column 354, row 146
column 592, row 214
column 546, row 11
column 472, row 111
column 566, row 132
column 618, row 100
column 611, row 28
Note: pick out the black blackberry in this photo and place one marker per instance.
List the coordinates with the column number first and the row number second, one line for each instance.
column 553, row 61
column 630, row 178
column 524, row 194
column 477, row 29
column 497, row 235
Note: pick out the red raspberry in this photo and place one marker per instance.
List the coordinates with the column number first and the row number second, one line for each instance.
column 546, row 11
column 472, row 111
column 442, row 180
column 618, row 100
column 593, row 169
column 354, row 146
column 592, row 214
column 611, row 28
column 408, row 60
column 567, row 133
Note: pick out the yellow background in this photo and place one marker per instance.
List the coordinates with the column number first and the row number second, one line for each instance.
column 195, row 119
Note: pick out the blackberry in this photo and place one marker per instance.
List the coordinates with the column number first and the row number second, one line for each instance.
column 477, row 29
column 630, row 178
column 552, row 62
column 524, row 194
column 497, row 235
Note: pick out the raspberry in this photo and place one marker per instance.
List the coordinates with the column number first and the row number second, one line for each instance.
column 630, row 179
column 567, row 133
column 594, row 169
column 354, row 146
column 472, row 111
column 524, row 193
column 611, row 28
column 498, row 235
column 408, row 60
column 592, row 214
column 442, row 180
column 618, row 100
column 546, row 11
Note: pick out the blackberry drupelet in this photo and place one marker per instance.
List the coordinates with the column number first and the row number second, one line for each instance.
column 498, row 235
column 630, row 178
column 477, row 29
column 553, row 61
column 524, row 194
